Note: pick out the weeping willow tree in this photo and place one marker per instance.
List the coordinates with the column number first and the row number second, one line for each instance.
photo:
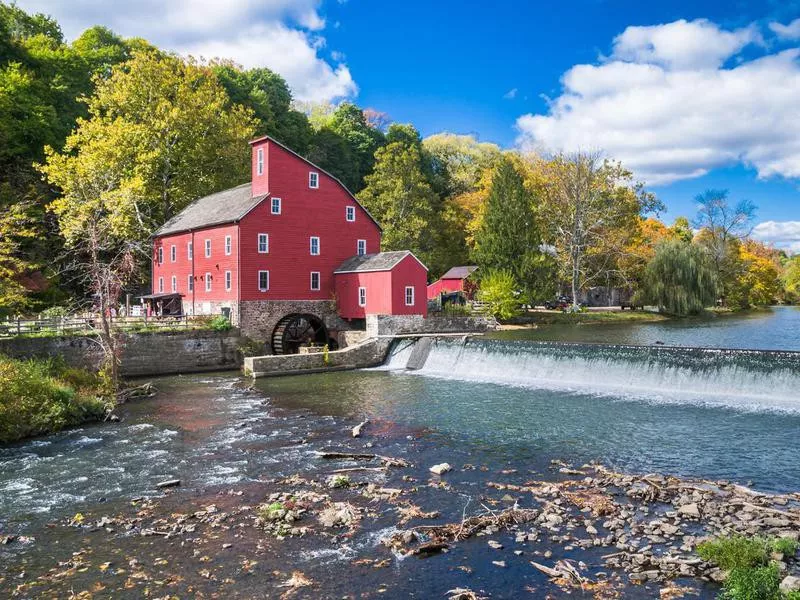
column 680, row 279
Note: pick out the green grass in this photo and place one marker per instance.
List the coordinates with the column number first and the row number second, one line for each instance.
column 547, row 317
column 44, row 396
column 751, row 574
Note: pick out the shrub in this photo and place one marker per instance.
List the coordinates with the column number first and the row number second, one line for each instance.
column 498, row 290
column 786, row 546
column 753, row 584
column 43, row 396
column 220, row 323
column 736, row 552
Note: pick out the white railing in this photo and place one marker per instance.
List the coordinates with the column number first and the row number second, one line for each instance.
column 74, row 325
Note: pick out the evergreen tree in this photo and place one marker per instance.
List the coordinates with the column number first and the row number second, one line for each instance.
column 680, row 279
column 509, row 237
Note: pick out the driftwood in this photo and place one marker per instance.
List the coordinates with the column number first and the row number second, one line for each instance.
column 146, row 390
column 387, row 461
column 472, row 525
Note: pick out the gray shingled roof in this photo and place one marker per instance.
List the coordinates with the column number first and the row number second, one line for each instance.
column 226, row 206
column 460, row 272
column 382, row 261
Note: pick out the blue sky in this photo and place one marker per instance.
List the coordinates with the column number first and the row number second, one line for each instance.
column 690, row 95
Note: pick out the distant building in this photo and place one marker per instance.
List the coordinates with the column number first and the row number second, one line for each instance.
column 268, row 254
column 457, row 279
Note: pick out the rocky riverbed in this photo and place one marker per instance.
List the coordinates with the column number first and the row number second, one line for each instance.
column 378, row 516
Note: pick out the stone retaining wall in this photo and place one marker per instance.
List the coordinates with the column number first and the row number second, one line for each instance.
column 370, row 353
column 144, row 354
column 405, row 324
column 258, row 319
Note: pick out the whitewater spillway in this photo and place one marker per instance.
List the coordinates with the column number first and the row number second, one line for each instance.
column 738, row 378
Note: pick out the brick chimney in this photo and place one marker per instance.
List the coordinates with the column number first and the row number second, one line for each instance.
column 260, row 177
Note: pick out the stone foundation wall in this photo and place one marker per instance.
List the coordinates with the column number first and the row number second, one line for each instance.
column 400, row 324
column 259, row 318
column 212, row 308
column 144, row 354
column 370, row 353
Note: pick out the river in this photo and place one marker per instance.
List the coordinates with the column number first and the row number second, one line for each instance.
column 507, row 407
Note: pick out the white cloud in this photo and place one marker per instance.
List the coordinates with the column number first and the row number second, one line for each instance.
column 787, row 32
column 782, row 234
column 510, row 94
column 665, row 104
column 682, row 44
column 282, row 35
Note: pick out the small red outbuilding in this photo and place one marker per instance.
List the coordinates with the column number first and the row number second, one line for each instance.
column 456, row 279
column 386, row 283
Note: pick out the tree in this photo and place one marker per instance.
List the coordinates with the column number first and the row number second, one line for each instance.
column 509, row 237
column 499, row 291
column 267, row 94
column 722, row 228
column 460, row 161
column 590, row 209
column 401, row 199
column 680, row 279
column 167, row 132
column 791, row 276
column 757, row 281
column 344, row 143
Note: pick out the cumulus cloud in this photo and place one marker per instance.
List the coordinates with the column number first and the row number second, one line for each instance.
column 283, row 35
column 782, row 234
column 787, row 32
column 669, row 105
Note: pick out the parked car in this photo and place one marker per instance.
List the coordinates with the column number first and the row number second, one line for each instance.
column 560, row 303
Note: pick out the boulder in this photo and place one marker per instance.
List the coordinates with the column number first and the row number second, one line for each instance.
column 440, row 468
column 689, row 510
column 789, row 584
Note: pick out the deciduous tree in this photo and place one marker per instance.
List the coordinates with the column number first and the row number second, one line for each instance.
column 680, row 279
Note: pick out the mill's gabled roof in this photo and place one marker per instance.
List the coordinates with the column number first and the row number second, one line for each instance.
column 227, row 206
column 381, row 261
column 460, row 272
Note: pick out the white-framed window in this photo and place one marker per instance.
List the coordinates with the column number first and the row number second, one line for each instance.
column 227, row 281
column 173, row 253
column 313, row 180
column 160, row 285
column 409, row 295
column 263, row 281
column 315, row 280
column 228, row 245
column 190, row 284
column 361, row 247
column 208, row 248
column 260, row 161
column 263, row 243
column 314, row 245
column 208, row 282
column 174, row 284
column 350, row 213
column 189, row 250
column 160, row 255
column 362, row 296
column 276, row 206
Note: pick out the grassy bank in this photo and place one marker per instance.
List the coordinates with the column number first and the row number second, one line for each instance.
column 551, row 317
column 44, row 396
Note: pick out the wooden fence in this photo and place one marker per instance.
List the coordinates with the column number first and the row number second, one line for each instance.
column 75, row 325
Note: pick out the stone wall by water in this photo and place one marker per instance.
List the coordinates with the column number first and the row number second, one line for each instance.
column 370, row 353
column 144, row 354
column 405, row 324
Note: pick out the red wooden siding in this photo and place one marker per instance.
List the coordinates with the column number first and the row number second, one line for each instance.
column 305, row 212
column 385, row 291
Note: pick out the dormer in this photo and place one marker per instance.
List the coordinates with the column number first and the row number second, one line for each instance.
column 260, row 162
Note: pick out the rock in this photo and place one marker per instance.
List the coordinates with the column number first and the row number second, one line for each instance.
column 440, row 468
column 168, row 483
column 495, row 545
column 518, row 552
column 717, row 575
column 637, row 577
column 789, row 584
column 113, row 418
column 689, row 510
column 499, row 563
column 591, row 530
column 548, row 554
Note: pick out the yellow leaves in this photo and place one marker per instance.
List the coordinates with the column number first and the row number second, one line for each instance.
column 78, row 519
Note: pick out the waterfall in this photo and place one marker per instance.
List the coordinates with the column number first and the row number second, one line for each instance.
column 747, row 379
